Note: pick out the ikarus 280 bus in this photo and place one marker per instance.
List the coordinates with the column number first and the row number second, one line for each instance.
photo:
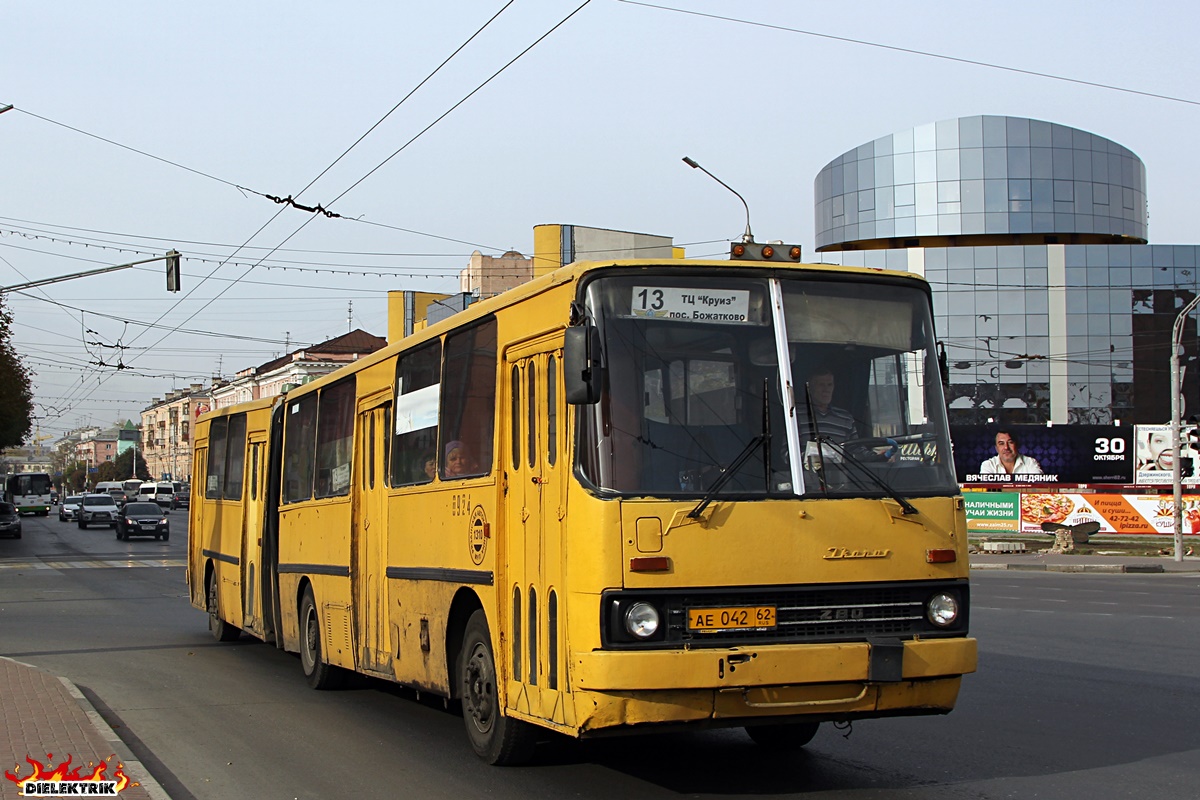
column 625, row 496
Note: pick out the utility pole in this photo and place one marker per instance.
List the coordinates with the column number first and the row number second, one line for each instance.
column 1176, row 414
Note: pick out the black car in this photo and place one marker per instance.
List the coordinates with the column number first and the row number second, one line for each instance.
column 143, row 519
column 10, row 521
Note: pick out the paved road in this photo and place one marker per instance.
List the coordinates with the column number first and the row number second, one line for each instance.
column 1087, row 689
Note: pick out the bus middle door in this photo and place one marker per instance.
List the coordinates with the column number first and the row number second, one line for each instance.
column 534, row 527
column 369, row 547
column 253, row 503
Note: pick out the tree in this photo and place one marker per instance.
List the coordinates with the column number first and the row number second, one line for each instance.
column 16, row 390
column 121, row 466
column 75, row 476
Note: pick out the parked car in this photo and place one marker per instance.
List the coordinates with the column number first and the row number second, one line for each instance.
column 70, row 507
column 97, row 509
column 10, row 521
column 143, row 519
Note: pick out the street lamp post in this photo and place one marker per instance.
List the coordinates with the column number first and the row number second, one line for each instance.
column 1176, row 414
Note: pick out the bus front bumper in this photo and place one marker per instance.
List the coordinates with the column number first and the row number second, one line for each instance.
column 772, row 665
column 627, row 690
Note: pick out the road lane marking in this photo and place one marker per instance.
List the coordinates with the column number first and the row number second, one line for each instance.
column 94, row 563
column 1076, row 613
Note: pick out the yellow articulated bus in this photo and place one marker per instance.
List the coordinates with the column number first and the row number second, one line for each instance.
column 623, row 497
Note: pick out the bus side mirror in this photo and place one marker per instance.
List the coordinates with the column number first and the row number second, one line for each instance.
column 581, row 365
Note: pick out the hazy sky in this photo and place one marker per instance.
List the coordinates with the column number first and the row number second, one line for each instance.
column 228, row 102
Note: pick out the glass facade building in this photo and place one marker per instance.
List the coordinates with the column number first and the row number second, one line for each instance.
column 1050, row 303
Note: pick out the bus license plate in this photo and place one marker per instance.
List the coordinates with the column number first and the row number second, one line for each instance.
column 712, row 620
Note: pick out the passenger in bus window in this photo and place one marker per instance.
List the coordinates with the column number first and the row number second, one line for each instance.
column 458, row 459
column 430, row 462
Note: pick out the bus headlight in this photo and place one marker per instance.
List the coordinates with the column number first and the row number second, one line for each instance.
column 942, row 610
column 641, row 620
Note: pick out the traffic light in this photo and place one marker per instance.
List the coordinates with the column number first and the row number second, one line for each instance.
column 173, row 273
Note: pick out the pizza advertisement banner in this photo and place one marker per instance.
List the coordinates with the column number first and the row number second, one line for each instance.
column 1024, row 512
column 1076, row 454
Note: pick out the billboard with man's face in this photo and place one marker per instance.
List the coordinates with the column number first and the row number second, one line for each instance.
column 1091, row 454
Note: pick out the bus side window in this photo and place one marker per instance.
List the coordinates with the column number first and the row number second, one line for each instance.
column 300, row 425
column 415, row 432
column 335, row 435
column 235, row 455
column 214, row 484
column 469, row 402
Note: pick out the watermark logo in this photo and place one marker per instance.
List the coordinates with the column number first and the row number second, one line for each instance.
column 63, row 781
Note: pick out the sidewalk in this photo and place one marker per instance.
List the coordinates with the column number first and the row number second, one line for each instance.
column 1069, row 562
column 47, row 719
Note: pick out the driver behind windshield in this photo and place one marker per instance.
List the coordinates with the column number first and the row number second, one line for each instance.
column 827, row 420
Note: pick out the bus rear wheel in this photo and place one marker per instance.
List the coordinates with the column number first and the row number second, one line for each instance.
column 783, row 737
column 497, row 739
column 221, row 630
column 318, row 673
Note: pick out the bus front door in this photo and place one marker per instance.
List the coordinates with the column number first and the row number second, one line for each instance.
column 368, row 556
column 535, row 508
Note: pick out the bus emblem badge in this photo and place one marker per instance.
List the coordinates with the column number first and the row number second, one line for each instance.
column 839, row 553
column 479, row 534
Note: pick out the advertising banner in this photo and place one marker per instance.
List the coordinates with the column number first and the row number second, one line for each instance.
column 1024, row 512
column 1156, row 457
column 993, row 512
column 1087, row 454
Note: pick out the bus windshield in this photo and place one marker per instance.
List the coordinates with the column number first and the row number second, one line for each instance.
column 30, row 483
column 693, row 384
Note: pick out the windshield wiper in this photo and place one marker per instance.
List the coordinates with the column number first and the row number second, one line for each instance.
column 862, row 469
column 727, row 474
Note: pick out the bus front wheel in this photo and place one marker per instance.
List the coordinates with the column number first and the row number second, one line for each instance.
column 497, row 739
column 783, row 737
column 221, row 630
column 318, row 673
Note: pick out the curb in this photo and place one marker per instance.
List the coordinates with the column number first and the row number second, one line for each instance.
column 1100, row 568
column 132, row 766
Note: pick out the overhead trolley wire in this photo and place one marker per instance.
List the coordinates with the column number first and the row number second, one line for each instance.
column 916, row 52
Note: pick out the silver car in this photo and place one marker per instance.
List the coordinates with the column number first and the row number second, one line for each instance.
column 97, row 509
column 70, row 507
